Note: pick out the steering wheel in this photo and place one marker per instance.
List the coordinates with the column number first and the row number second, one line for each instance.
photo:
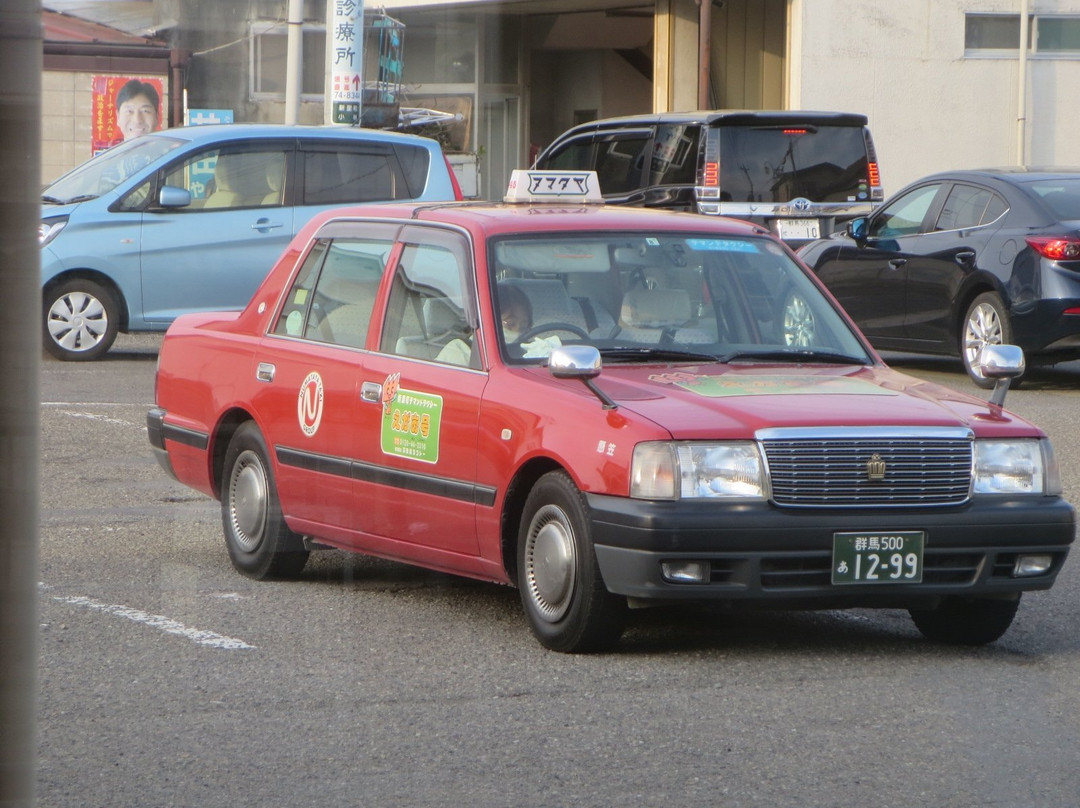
column 545, row 328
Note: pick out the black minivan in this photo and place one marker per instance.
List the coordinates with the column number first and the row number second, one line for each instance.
column 796, row 172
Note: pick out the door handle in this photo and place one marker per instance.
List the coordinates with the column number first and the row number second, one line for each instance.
column 896, row 263
column 264, row 225
column 965, row 258
column 371, row 391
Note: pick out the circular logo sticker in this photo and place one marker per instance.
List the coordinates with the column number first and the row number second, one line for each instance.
column 309, row 404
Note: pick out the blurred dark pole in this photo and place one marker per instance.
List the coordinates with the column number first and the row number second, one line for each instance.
column 20, row 353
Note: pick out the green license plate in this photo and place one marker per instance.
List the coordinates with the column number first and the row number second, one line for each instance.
column 878, row 558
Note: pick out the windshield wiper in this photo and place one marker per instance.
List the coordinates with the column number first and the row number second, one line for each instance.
column 52, row 200
column 660, row 354
column 793, row 355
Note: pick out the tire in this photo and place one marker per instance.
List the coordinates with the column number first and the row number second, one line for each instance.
column 966, row 621
column 568, row 607
column 797, row 321
column 80, row 320
column 260, row 544
column 985, row 323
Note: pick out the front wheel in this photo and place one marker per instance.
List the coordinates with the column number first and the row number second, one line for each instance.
column 985, row 323
column 568, row 607
column 81, row 320
column 260, row 544
column 966, row 621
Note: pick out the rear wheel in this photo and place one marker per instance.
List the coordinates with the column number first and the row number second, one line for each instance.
column 966, row 621
column 985, row 323
column 81, row 319
column 568, row 607
column 260, row 544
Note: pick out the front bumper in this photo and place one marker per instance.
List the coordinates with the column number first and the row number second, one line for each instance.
column 757, row 552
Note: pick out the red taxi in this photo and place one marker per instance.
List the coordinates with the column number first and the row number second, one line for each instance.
column 605, row 407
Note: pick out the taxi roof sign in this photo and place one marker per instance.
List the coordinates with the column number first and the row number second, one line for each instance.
column 527, row 185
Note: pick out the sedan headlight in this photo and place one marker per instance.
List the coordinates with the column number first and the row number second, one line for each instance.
column 732, row 470
column 1016, row 467
column 48, row 230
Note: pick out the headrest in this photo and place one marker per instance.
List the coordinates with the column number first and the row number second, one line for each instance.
column 655, row 308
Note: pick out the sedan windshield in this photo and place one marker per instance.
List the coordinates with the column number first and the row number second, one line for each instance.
column 662, row 298
column 109, row 169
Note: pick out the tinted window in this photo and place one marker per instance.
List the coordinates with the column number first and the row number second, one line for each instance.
column 778, row 164
column 674, row 156
column 617, row 159
column 343, row 177
column 1062, row 196
column 968, row 206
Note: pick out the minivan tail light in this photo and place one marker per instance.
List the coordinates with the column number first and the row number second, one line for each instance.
column 875, row 174
column 712, row 175
column 1056, row 248
column 453, row 180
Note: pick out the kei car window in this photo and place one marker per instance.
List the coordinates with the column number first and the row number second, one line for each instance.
column 904, row 216
column 340, row 177
column 427, row 311
column 220, row 179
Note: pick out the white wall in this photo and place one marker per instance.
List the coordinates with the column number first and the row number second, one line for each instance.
column 931, row 108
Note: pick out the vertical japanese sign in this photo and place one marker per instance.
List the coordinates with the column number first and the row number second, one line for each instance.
column 346, row 54
column 124, row 107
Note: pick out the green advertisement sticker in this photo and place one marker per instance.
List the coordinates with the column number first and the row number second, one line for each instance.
column 410, row 425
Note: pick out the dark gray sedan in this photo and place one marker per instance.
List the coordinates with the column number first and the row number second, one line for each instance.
column 962, row 259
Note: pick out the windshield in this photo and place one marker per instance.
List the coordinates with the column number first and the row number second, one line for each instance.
column 663, row 297
column 781, row 163
column 109, row 169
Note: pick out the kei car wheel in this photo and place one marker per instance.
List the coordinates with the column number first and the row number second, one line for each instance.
column 797, row 320
column 568, row 607
column 260, row 544
column 985, row 323
column 81, row 319
column 966, row 621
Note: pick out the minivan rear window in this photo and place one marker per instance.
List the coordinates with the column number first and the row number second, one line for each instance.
column 781, row 163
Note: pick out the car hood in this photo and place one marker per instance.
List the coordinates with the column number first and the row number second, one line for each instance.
column 727, row 401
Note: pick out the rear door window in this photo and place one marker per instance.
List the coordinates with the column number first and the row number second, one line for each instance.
column 369, row 173
column 781, row 163
column 618, row 159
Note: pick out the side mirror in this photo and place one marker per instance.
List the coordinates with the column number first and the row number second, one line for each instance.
column 580, row 362
column 173, row 197
column 1003, row 363
column 857, row 229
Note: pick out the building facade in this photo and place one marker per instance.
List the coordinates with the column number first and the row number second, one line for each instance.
column 945, row 83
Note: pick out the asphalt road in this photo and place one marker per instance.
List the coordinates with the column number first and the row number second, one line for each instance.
column 167, row 679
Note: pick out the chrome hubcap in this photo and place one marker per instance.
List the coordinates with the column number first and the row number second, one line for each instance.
column 248, row 501
column 77, row 321
column 550, row 563
column 983, row 328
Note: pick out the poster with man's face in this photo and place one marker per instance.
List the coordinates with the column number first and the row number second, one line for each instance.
column 125, row 107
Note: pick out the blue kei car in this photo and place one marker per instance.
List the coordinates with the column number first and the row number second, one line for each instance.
column 192, row 219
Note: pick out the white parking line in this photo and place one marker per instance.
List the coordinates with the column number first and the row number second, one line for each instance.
column 202, row 637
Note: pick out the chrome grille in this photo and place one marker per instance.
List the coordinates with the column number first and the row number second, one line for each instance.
column 837, row 468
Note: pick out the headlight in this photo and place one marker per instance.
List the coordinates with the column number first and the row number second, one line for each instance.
column 49, row 229
column 1016, row 467
column 698, row 471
